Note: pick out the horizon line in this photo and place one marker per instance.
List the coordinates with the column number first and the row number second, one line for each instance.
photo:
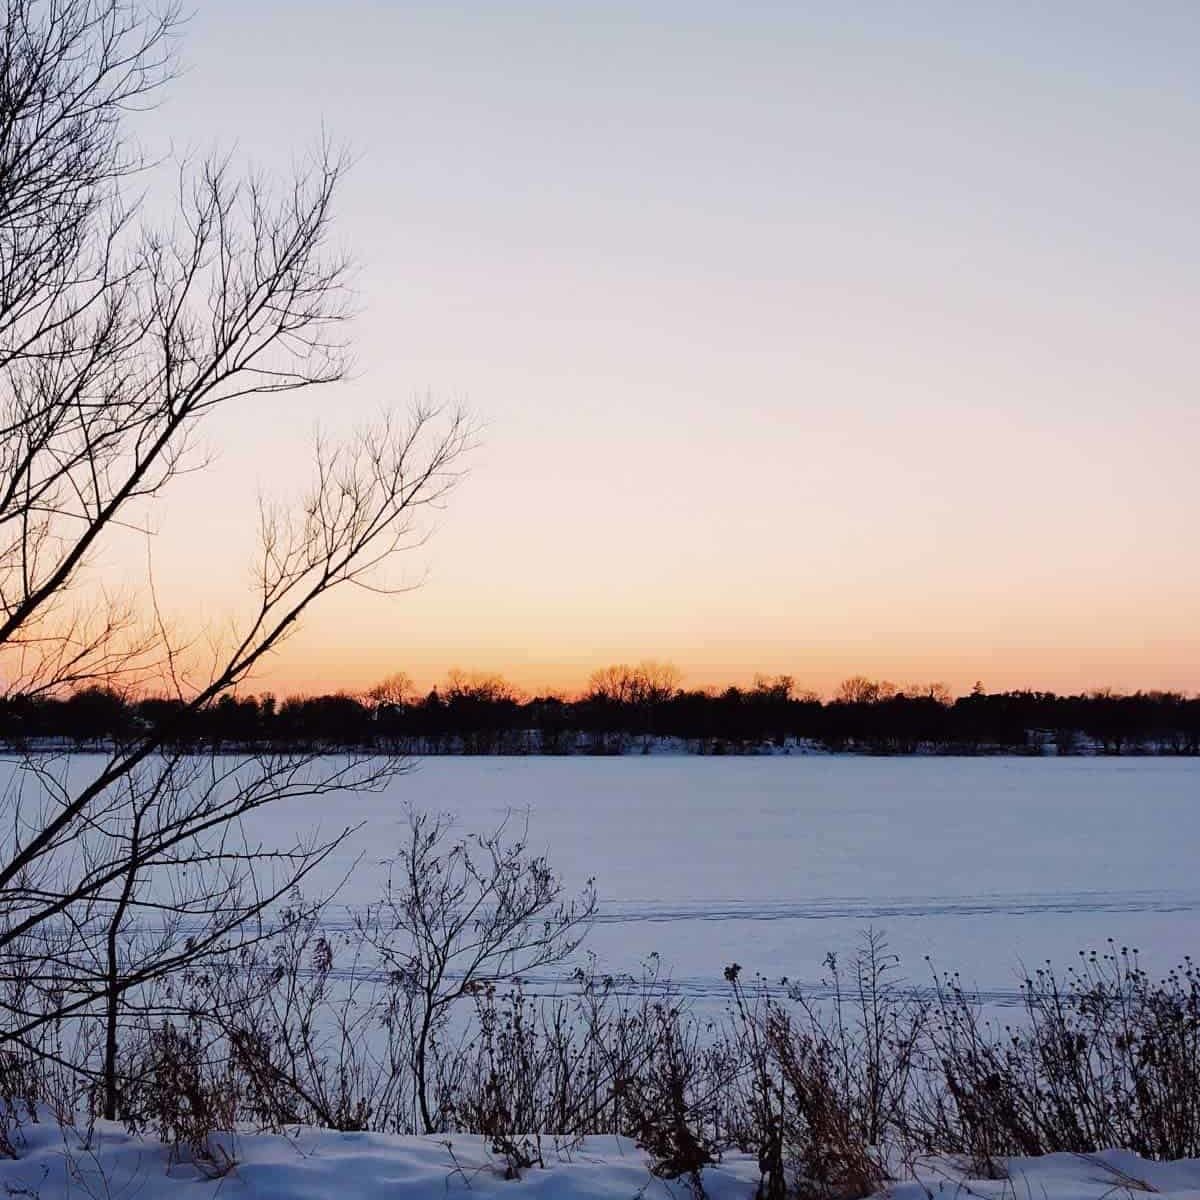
column 669, row 681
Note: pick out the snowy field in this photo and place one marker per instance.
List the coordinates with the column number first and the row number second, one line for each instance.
column 982, row 864
column 315, row 1165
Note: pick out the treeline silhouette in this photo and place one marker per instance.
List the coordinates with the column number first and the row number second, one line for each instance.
column 630, row 710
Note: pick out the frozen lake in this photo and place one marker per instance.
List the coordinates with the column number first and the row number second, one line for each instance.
column 982, row 864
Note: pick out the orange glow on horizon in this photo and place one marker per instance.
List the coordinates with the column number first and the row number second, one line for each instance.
column 822, row 675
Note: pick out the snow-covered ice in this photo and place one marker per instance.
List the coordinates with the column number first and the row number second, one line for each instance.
column 984, row 864
column 987, row 865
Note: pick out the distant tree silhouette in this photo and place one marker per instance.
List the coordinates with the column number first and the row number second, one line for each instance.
column 480, row 710
column 858, row 689
column 479, row 713
column 644, row 689
column 394, row 691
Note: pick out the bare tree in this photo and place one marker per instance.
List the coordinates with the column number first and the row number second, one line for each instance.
column 650, row 682
column 858, row 689
column 479, row 686
column 460, row 913
column 118, row 341
column 644, row 689
column 395, row 691
column 938, row 692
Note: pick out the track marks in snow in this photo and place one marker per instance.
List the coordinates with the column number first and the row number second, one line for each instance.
column 873, row 908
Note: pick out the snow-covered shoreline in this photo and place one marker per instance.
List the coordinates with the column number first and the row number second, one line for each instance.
column 310, row 1164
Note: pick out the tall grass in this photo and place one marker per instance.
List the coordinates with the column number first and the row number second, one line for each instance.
column 830, row 1096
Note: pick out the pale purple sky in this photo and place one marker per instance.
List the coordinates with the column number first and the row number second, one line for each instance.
column 806, row 337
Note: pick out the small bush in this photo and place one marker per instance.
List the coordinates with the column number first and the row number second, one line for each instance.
column 185, row 1094
column 809, row 1100
column 1105, row 1055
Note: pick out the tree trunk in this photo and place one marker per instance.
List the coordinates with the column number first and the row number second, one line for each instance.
column 112, row 998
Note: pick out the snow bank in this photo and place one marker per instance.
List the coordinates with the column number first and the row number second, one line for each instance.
column 315, row 1164
column 319, row 1164
column 1109, row 1175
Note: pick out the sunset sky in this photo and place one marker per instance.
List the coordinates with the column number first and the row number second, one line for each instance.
column 806, row 338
